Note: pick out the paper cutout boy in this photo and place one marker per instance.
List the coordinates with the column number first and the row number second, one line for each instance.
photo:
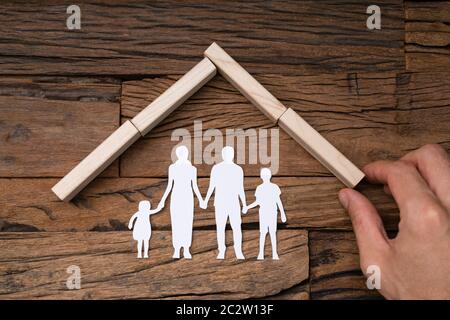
column 142, row 230
column 268, row 199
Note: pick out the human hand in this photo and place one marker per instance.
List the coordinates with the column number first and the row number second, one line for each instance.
column 244, row 209
column 416, row 263
column 203, row 204
column 130, row 226
column 283, row 217
column 160, row 206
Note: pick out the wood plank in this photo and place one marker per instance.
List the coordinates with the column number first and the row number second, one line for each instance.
column 320, row 148
column 174, row 96
column 366, row 116
column 250, row 88
column 427, row 35
column 298, row 292
column 97, row 161
column 335, row 271
column 33, row 265
column 41, row 116
column 144, row 37
column 107, row 204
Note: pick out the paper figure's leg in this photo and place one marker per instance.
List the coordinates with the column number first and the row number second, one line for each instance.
column 273, row 239
column 139, row 248
column 221, row 220
column 146, row 245
column 186, row 253
column 262, row 240
column 176, row 252
column 235, row 221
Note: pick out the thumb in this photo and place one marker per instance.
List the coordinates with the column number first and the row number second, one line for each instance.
column 370, row 234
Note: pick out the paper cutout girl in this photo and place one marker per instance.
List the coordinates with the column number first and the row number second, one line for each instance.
column 142, row 230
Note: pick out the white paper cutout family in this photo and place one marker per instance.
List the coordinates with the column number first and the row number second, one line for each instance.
column 227, row 182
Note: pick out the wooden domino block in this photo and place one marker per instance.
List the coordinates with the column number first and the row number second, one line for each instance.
column 170, row 99
column 245, row 83
column 288, row 119
column 96, row 161
column 320, row 148
column 131, row 130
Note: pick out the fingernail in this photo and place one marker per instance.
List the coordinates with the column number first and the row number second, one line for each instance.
column 343, row 198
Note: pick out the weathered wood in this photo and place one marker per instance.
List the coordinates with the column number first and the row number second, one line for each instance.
column 250, row 88
column 107, row 204
column 298, row 292
column 96, row 161
column 366, row 116
column 427, row 36
column 47, row 125
column 174, row 96
column 123, row 38
column 33, row 265
column 335, row 271
column 320, row 148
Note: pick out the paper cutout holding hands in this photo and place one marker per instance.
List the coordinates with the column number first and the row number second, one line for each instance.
column 142, row 230
column 227, row 181
column 227, row 184
column 182, row 181
column 268, row 199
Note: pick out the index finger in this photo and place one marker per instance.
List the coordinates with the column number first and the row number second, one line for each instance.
column 407, row 186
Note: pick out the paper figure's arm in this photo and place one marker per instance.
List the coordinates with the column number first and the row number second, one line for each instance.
column 130, row 224
column 241, row 189
column 155, row 211
column 280, row 206
column 168, row 189
column 212, row 186
column 254, row 204
column 195, row 187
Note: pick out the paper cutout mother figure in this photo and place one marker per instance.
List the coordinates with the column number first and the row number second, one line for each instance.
column 227, row 181
column 182, row 180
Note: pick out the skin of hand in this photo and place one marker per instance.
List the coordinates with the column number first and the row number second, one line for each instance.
column 416, row 263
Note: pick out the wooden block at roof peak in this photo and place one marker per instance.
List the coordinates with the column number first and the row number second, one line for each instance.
column 320, row 148
column 245, row 83
column 174, row 96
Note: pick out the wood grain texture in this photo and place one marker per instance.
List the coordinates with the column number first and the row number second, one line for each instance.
column 48, row 124
column 174, row 96
column 335, row 271
column 320, row 148
column 231, row 70
column 107, row 204
column 33, row 265
column 123, row 38
column 96, row 161
column 366, row 116
column 427, row 35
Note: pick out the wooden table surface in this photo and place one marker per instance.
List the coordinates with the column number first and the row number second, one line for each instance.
column 375, row 94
